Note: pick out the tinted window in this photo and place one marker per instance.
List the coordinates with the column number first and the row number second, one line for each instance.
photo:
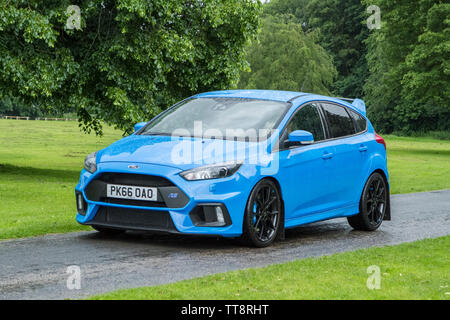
column 308, row 119
column 339, row 122
column 360, row 122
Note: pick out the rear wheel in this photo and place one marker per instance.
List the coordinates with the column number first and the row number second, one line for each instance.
column 263, row 214
column 108, row 231
column 372, row 206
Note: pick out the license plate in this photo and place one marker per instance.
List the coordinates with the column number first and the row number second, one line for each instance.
column 131, row 192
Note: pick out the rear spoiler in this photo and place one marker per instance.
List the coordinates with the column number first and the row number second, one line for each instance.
column 359, row 104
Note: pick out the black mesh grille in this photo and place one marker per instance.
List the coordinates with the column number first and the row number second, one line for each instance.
column 133, row 219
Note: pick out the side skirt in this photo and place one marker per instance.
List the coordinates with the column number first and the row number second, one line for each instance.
column 336, row 213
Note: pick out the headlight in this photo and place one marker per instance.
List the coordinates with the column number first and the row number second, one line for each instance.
column 214, row 171
column 90, row 163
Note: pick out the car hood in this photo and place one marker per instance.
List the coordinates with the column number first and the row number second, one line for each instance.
column 182, row 153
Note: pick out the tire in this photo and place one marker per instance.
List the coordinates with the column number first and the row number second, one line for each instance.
column 108, row 231
column 262, row 219
column 372, row 205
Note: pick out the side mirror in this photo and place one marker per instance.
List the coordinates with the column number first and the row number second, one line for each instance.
column 139, row 125
column 299, row 138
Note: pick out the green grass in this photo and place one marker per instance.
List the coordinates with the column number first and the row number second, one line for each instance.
column 440, row 135
column 40, row 163
column 418, row 270
column 418, row 164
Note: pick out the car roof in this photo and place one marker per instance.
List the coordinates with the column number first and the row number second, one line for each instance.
column 276, row 95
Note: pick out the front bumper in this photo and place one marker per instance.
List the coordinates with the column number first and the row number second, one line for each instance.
column 171, row 214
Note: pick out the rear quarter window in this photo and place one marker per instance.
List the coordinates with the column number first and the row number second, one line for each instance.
column 339, row 122
column 360, row 121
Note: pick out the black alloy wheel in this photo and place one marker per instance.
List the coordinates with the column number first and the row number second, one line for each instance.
column 263, row 214
column 373, row 204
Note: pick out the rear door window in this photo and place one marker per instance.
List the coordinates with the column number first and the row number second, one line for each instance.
column 339, row 122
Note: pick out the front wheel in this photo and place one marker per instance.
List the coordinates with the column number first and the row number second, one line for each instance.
column 372, row 206
column 262, row 215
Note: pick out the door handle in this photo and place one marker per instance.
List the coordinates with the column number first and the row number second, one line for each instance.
column 327, row 156
column 363, row 148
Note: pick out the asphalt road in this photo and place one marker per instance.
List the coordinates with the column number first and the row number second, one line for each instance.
column 36, row 268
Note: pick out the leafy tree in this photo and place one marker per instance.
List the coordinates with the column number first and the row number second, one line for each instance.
column 129, row 60
column 426, row 84
column 294, row 8
column 342, row 34
column 14, row 107
column 286, row 58
column 408, row 88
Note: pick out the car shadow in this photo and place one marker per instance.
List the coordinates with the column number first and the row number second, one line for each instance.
column 163, row 240
column 318, row 231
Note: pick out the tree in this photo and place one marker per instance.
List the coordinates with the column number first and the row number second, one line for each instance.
column 408, row 87
column 342, row 34
column 14, row 107
column 294, row 8
column 426, row 83
column 129, row 60
column 286, row 58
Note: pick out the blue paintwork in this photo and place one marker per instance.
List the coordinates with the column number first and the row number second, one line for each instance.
column 319, row 181
column 360, row 105
column 254, row 94
column 301, row 136
column 139, row 125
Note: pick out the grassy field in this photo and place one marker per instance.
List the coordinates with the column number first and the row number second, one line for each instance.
column 40, row 164
column 418, row 164
column 418, row 270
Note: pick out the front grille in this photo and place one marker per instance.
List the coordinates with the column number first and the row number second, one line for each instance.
column 133, row 219
column 169, row 195
column 141, row 180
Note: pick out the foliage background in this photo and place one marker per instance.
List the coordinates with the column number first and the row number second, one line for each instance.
column 341, row 32
column 130, row 60
column 408, row 88
column 133, row 58
column 286, row 58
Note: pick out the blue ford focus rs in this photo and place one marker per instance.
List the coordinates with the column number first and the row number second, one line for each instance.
column 240, row 163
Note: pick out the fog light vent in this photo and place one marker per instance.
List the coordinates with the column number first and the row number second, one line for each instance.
column 219, row 215
column 81, row 204
column 210, row 215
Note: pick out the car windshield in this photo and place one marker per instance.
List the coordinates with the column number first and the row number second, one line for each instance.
column 219, row 118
